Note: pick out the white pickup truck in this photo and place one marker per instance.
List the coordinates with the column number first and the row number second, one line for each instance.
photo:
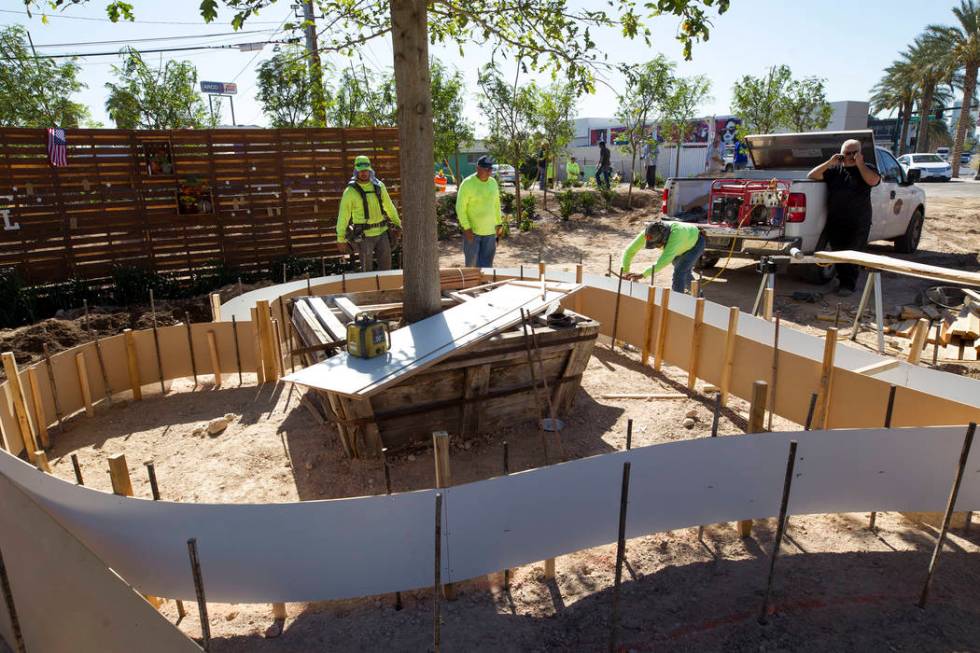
column 897, row 205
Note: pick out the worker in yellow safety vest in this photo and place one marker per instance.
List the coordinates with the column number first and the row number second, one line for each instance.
column 572, row 171
column 368, row 221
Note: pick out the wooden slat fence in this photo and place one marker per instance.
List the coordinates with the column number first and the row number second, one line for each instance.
column 275, row 194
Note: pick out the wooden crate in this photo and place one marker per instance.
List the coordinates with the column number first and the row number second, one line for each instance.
column 483, row 389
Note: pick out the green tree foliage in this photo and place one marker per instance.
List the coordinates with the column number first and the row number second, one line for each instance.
column 37, row 92
column 895, row 91
column 647, row 87
column 286, row 89
column 807, row 108
column 161, row 98
column 555, row 113
column 776, row 101
column 452, row 129
column 363, row 99
column 681, row 106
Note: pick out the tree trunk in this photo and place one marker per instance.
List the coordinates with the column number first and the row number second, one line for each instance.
column 906, row 122
column 629, row 191
column 925, row 106
column 677, row 162
column 410, row 44
column 969, row 87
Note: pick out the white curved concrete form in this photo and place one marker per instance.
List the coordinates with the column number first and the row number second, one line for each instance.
column 369, row 545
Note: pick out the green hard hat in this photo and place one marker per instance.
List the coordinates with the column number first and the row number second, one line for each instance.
column 362, row 163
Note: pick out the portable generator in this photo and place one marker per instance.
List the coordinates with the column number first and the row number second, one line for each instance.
column 367, row 336
column 748, row 202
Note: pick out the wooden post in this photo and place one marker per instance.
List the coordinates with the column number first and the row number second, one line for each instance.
column 809, row 412
column 119, row 475
column 775, row 372
column 78, row 469
column 780, row 528
column 658, row 357
column 695, row 288
column 83, row 383
column 238, row 353
column 257, row 347
column 918, row 341
column 437, row 581
column 825, row 387
column 190, row 347
column 41, row 461
column 620, row 555
column 40, row 420
column 440, row 450
column 132, row 362
column 619, row 294
column 279, row 611
column 541, row 270
column 215, row 307
column 692, row 373
column 729, row 362
column 278, row 345
column 202, row 606
column 215, row 361
column 767, row 299
column 20, row 405
column 757, row 414
column 950, row 505
column 267, row 341
column 102, row 370
column 577, row 298
column 648, row 324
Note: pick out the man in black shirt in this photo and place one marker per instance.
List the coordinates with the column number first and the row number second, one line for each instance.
column 604, row 170
column 849, row 182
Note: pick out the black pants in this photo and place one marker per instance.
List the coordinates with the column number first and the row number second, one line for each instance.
column 848, row 232
column 651, row 177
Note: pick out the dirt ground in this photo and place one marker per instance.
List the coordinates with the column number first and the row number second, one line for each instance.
column 838, row 585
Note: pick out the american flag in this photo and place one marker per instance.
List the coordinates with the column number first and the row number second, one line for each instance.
column 57, row 147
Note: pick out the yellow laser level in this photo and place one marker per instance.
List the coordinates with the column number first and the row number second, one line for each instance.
column 367, row 336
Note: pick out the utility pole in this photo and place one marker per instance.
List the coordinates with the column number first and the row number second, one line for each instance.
column 316, row 70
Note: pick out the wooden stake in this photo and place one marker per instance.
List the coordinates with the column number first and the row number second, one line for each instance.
column 279, row 611
column 780, row 528
column 619, row 294
column 215, row 361
column 202, row 606
column 809, row 412
column 257, row 347
column 277, row 342
column 41, row 461
column 40, row 420
column 215, row 307
column 577, row 298
column 918, row 341
column 620, row 555
column 728, row 364
column 132, row 362
column 119, row 475
column 935, row 347
column 54, row 386
column 78, row 470
column 648, row 321
column 767, row 298
column 156, row 342
column 190, row 347
column 309, row 286
column 437, row 581
column 82, row 370
column 440, row 451
column 692, row 373
column 658, row 357
column 757, row 413
column 20, row 405
column 238, row 353
column 950, row 505
column 826, row 380
column 102, row 370
column 8, row 599
column 541, row 269
column 775, row 372
column 629, row 434
column 152, row 474
column 267, row 341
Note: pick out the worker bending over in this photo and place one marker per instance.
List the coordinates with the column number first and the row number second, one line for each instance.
column 683, row 245
column 368, row 220
column 478, row 212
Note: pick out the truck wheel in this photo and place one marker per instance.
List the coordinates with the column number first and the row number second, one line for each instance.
column 908, row 243
column 818, row 275
column 706, row 262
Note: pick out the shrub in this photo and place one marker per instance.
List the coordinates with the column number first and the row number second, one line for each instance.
column 660, row 181
column 567, row 203
column 586, row 202
column 528, row 208
column 506, row 202
column 528, row 181
column 132, row 284
column 447, row 223
column 526, row 224
column 639, row 181
column 607, row 197
column 16, row 302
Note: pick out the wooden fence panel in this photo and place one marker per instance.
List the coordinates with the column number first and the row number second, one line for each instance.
column 262, row 194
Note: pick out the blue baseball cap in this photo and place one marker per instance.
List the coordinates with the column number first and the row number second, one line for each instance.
column 485, row 162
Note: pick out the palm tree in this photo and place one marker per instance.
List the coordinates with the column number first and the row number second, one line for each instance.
column 930, row 69
column 962, row 46
column 896, row 91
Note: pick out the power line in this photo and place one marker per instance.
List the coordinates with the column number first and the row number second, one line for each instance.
column 116, row 53
column 256, row 55
column 155, row 38
column 123, row 22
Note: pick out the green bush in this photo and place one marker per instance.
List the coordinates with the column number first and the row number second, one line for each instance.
column 528, row 211
column 506, row 202
column 639, row 181
column 132, row 284
column 528, row 181
column 16, row 300
column 586, row 202
column 525, row 224
column 567, row 203
column 660, row 181
column 607, row 197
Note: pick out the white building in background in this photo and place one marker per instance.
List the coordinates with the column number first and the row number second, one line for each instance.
column 848, row 115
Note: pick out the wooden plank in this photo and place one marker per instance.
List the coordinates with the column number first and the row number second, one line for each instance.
column 132, row 364
column 648, row 323
column 728, row 361
column 215, row 361
column 879, row 367
column 757, row 413
column 918, row 341
column 658, row 357
column 119, row 475
column 267, row 342
column 890, row 264
column 40, row 420
column 20, row 404
column 692, row 374
column 83, row 383
column 327, row 319
column 825, row 387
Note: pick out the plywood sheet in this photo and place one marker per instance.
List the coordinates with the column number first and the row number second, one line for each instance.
column 910, row 268
column 55, row 577
column 424, row 343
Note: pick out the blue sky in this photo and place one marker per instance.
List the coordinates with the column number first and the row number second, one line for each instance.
column 846, row 42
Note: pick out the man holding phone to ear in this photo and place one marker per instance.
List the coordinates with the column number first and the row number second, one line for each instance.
column 849, row 182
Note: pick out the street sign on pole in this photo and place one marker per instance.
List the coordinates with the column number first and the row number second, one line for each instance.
column 219, row 88
column 250, row 47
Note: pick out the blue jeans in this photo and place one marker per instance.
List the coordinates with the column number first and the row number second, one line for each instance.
column 479, row 253
column 604, row 172
column 684, row 266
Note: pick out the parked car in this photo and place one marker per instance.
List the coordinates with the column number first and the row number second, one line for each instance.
column 930, row 166
column 966, row 158
column 944, row 152
column 898, row 206
column 504, row 173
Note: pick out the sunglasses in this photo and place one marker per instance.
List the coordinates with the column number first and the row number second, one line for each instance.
column 854, row 153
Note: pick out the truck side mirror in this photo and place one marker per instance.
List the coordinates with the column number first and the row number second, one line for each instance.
column 913, row 176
